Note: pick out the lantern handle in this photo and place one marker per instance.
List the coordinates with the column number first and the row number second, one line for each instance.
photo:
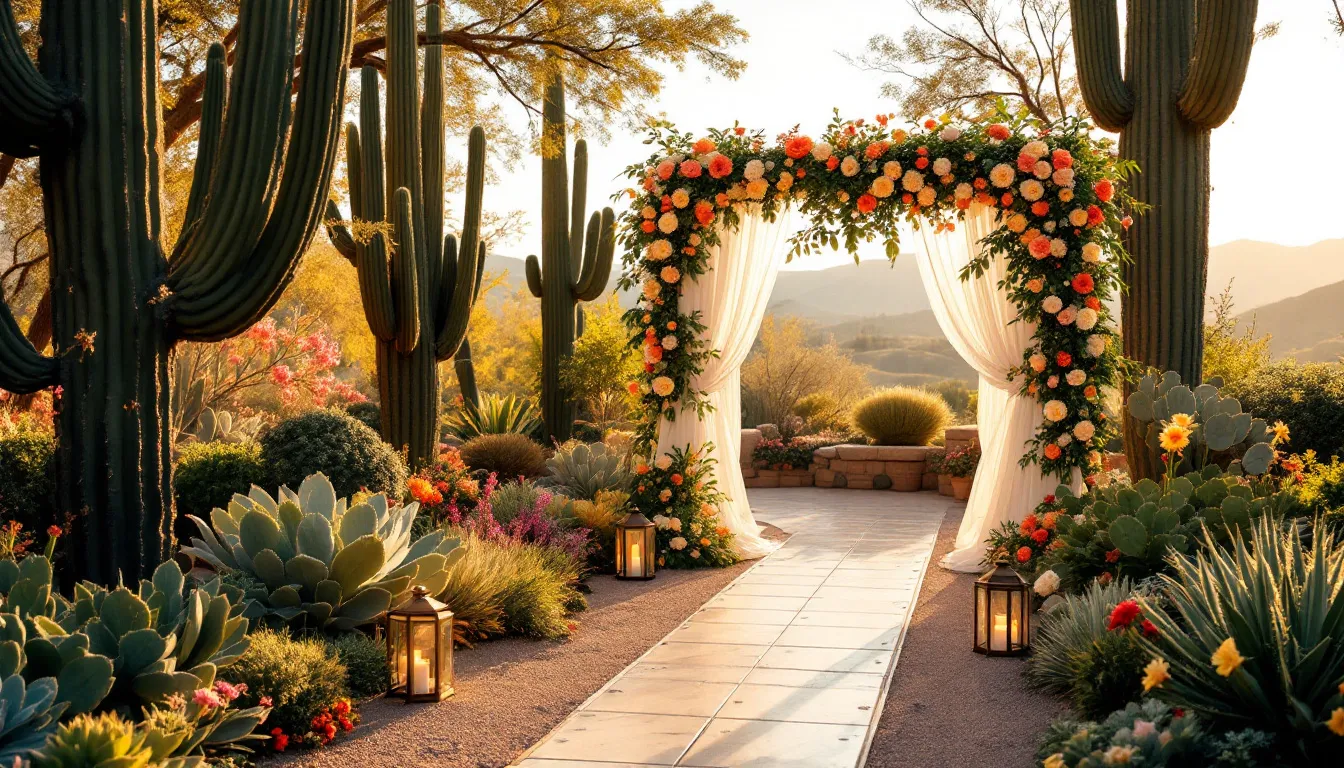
column 419, row 591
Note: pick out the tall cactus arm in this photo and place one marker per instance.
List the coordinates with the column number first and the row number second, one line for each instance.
column 431, row 140
column 1224, row 35
column 1096, row 45
column 369, row 258
column 338, row 233
column 578, row 209
column 212, row 123
column 455, row 299
column 32, row 110
column 22, row 369
column 405, row 281
column 533, row 269
column 599, row 249
column 225, row 296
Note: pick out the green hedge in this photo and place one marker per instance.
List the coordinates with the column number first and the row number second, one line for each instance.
column 339, row 446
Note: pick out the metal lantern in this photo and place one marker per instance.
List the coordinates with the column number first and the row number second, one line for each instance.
column 636, row 547
column 420, row 649
column 1002, row 612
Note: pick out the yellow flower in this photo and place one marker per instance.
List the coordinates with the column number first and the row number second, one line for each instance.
column 1155, row 674
column 1183, row 419
column 1056, row 761
column 1226, row 658
column 1280, row 431
column 1336, row 721
column 1174, row 437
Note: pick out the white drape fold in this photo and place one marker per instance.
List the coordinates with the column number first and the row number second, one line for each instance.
column 731, row 298
column 976, row 316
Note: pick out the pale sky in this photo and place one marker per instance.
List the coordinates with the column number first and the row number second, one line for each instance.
column 1271, row 161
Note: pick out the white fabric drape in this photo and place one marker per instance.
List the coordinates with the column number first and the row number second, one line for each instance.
column 975, row 315
column 731, row 298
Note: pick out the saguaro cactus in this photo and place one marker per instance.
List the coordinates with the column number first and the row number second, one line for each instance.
column 1185, row 62
column 91, row 109
column 418, row 313
column 573, row 268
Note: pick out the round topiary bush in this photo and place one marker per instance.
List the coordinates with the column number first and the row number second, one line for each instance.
column 508, row 455
column 336, row 444
column 367, row 412
column 301, row 677
column 1308, row 398
column 207, row 475
column 27, row 490
column 902, row 416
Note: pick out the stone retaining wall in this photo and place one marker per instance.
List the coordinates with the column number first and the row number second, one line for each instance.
column 866, row 467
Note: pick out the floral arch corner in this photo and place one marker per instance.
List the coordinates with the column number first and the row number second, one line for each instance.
column 1061, row 215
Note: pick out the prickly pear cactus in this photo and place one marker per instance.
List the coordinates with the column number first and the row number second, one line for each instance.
column 1222, row 434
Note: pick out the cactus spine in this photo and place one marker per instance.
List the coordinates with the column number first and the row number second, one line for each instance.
column 118, row 304
column 419, row 311
column 573, row 268
column 1185, row 62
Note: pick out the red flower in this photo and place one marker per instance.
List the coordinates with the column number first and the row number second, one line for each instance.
column 998, row 131
column 1082, row 283
column 1104, row 190
column 797, row 147
column 704, row 212
column 1026, row 163
column 921, row 163
column 279, row 740
column 1040, row 208
column 1028, row 524
column 1050, row 499
column 265, row 701
column 1149, row 629
column 1178, row 712
column 1006, row 199
column 1023, row 554
column 867, row 203
column 1061, row 158
column 342, row 707
column 930, row 124
column 1123, row 615
column 739, row 130
column 1063, row 359
column 832, row 163
column 1113, row 556
column 1104, row 579
column 720, row 166
column 677, row 479
column 1094, row 216
column 1040, row 535
column 53, row 531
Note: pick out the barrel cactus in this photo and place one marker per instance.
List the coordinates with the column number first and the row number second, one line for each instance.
column 325, row 562
column 1222, row 432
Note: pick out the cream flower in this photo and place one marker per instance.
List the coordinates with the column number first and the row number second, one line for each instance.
column 1052, row 304
column 681, row 198
column 1067, row 315
column 1065, row 195
column 1092, row 253
column 1031, row 190
column 648, row 212
column 1063, row 440
column 1087, row 319
column 669, row 342
column 667, row 223
column 891, row 169
column 883, row 186
column 1058, row 248
column 912, row 181
column 1042, row 169
column 1002, row 175
column 660, row 521
column 964, row 191
column 849, row 166
column 942, row 166
column 695, row 553
column 756, row 189
column 1036, row 149
column 659, row 250
column 1063, row 177
column 663, row 462
column 652, row 289
column 1037, row 362
column 1076, row 377
column 1084, row 430
column 927, row 196
column 1078, row 217
column 1096, row 345
column 950, row 133
column 821, row 151
column 677, row 542
column 754, row 169
column 674, row 523
column 1046, row 584
column 663, row 386
column 1056, row 410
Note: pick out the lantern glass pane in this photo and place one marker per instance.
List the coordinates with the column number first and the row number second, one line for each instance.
column 396, row 643
column 981, row 616
column 446, row 651
column 998, row 620
column 636, row 556
column 1015, row 614
column 422, row 674
column 620, row 550
column 651, row 550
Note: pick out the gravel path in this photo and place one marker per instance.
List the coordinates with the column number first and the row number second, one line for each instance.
column 948, row 706
column 510, row 693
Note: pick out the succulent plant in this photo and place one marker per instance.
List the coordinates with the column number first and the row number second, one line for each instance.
column 28, row 714
column 496, row 415
column 323, row 561
column 212, row 425
column 1222, row 432
column 583, row 470
column 88, row 741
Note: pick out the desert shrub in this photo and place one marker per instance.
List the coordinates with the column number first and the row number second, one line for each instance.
column 959, row 397
column 302, row 676
column 600, row 517
column 367, row 413
column 510, row 499
column 822, row 412
column 365, row 660
column 1308, row 398
column 208, row 474
column 27, row 489
column 784, row 368
column 581, row 470
column 1320, row 488
column 496, row 415
column 507, row 455
column 502, row 587
column 334, row 443
column 1077, row 654
column 446, row 491
column 902, row 416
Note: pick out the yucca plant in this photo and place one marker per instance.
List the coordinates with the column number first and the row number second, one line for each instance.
column 496, row 415
column 1260, row 638
column 582, row 470
column 323, row 562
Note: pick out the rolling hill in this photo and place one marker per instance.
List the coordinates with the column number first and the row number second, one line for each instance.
column 1309, row 327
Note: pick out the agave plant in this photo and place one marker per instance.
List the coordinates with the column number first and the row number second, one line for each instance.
column 1222, row 433
column 581, row 471
column 323, row 561
column 28, row 714
column 103, row 741
column 221, row 426
column 496, row 415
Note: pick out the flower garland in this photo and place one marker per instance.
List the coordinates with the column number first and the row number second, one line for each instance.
column 679, row 494
column 1061, row 216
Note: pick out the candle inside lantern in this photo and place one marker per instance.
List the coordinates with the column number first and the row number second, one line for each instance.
column 423, row 679
column 999, row 638
column 636, row 562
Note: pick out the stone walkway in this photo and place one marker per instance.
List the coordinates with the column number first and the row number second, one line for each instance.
column 788, row 666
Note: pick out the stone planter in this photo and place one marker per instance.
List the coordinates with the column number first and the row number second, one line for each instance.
column 876, row 467
column 961, row 488
column 777, row 478
column 945, row 484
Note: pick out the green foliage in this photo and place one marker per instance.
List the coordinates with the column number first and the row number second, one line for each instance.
column 332, row 443
column 365, row 661
column 221, row 426
column 367, row 413
column 902, row 416
column 1229, row 355
column 1076, row 655
column 1322, row 485
column 301, row 675
column 207, row 475
column 89, row 741
column 496, row 415
column 601, row 516
column 822, row 412
column 602, row 363
column 963, row 400
column 582, row 470
column 680, row 489
column 1309, row 398
column 1280, row 606
column 503, row 588
column 509, row 499
column 508, row 455
column 28, row 711
column 27, row 488
column 1223, row 433
column 322, row 561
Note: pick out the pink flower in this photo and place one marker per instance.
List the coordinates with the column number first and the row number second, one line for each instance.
column 230, row 691
column 282, row 375
column 1040, row 247
column 207, row 698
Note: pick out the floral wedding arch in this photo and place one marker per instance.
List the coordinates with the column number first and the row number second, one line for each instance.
column 1057, row 205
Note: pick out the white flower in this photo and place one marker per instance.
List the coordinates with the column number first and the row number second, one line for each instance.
column 1052, row 304
column 1084, row 430
column 849, row 166
column 754, row 169
column 677, row 543
column 964, row 191
column 1076, row 377
column 660, row 521
column 770, row 165
column 891, row 169
column 1078, row 217
column 1032, row 190
column 1079, row 519
column 1096, row 344
column 950, row 133
column 659, row 250
column 1002, row 175
column 883, row 186
column 926, row 196
column 1063, row 440
column 674, row 523
column 1036, row 149
column 1048, row 226
column 1042, row 169
column 1092, row 253
column 942, row 166
column 667, row 223
column 681, row 198
column 669, row 341
column 1037, row 362
column 1063, row 177
column 1067, row 315
column 821, row 151
column 1056, row 410
column 663, row 462
column 912, row 181
column 1058, row 248
column 1046, row 584
column 1087, row 319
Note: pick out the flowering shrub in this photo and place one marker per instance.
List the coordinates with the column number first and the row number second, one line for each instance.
column 445, row 489
column 961, row 462
column 793, row 453
column 1061, row 215
column 297, row 680
column 1024, row 543
column 679, row 492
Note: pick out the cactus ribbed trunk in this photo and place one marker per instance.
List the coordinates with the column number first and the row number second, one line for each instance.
column 466, row 375
column 1185, row 62
column 102, row 223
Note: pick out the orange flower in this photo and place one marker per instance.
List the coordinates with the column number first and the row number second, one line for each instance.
column 921, row 162
column 633, row 388
column 676, row 478
column 1007, row 199
column 980, row 182
column 1104, row 190
column 998, row 131
column 704, row 212
column 648, row 226
column 721, row 200
column 642, row 469
column 867, row 203
column 1094, row 216
column 876, row 150
column 1083, row 283
column 692, row 169
column 720, row 166
column 671, row 325
column 832, row 163
column 1061, row 158
column 1052, row 451
column 963, row 203
column 1089, row 391
column 797, row 147
column 1040, row 247
column 930, row 124
column 703, row 147
column 1040, row 208
column 1093, row 303
column 721, row 530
